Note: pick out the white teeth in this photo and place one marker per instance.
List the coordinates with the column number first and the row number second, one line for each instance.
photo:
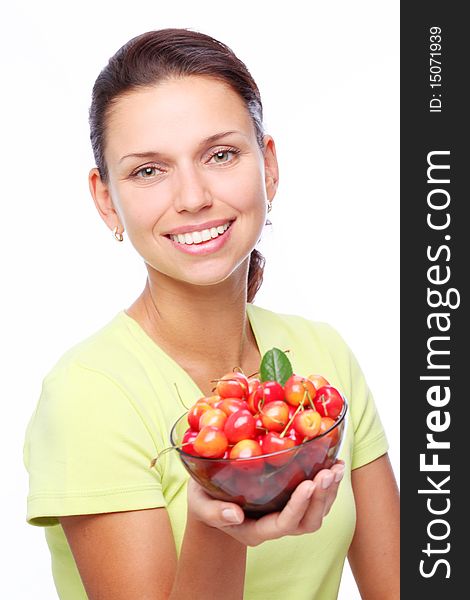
column 196, row 237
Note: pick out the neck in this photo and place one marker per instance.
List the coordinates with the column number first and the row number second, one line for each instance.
column 198, row 324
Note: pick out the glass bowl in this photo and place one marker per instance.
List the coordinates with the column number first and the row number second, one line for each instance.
column 262, row 484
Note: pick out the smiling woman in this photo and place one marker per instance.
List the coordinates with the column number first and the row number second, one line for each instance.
column 185, row 170
column 205, row 169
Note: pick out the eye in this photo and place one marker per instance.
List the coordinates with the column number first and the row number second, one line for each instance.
column 223, row 156
column 147, row 172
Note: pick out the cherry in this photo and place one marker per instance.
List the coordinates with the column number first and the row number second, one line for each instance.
column 299, row 390
column 232, row 385
column 240, row 426
column 275, row 415
column 328, row 401
column 214, row 417
column 268, row 391
column 273, row 442
column 308, row 423
column 195, row 413
column 211, row 442
column 326, row 424
column 232, row 405
column 187, row 444
column 295, row 435
column 253, row 383
column 318, row 381
column 247, row 449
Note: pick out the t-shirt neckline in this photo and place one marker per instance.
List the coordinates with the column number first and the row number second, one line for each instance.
column 150, row 342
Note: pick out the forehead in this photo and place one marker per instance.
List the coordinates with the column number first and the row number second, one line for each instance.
column 174, row 113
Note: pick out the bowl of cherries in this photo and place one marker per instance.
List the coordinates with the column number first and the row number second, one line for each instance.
column 256, row 438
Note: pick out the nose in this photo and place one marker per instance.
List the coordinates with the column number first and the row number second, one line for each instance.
column 192, row 192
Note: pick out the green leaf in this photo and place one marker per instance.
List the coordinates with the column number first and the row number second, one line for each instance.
column 275, row 366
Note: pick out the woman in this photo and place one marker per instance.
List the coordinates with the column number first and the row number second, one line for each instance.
column 185, row 170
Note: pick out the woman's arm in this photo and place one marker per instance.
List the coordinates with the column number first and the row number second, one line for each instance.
column 374, row 552
column 132, row 554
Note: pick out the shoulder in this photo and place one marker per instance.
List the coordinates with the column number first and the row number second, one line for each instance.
column 102, row 351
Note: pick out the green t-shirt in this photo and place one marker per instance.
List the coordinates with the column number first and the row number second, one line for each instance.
column 105, row 411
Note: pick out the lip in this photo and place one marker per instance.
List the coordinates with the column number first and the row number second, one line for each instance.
column 198, row 227
column 209, row 247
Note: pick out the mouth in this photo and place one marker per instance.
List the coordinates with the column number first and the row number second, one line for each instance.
column 200, row 237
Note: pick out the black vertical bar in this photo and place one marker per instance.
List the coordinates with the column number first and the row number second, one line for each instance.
column 435, row 257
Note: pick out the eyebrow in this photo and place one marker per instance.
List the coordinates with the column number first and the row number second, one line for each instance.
column 208, row 140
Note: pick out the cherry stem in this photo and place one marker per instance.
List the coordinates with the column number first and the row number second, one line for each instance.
column 291, row 420
column 253, row 374
column 153, row 462
column 309, row 398
column 179, row 396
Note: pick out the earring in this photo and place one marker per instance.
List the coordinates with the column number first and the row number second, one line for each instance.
column 270, row 206
column 117, row 234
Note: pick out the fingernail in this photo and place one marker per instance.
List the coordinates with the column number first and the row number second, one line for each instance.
column 327, row 481
column 339, row 474
column 231, row 516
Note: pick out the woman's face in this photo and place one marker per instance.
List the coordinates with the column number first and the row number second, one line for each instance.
column 187, row 179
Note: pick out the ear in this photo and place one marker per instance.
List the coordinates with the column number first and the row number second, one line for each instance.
column 271, row 169
column 103, row 201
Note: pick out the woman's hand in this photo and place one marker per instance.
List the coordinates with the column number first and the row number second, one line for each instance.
column 304, row 512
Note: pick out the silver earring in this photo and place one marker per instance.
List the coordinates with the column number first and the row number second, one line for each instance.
column 270, row 206
column 118, row 235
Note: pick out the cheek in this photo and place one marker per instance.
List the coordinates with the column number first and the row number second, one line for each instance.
column 245, row 191
column 139, row 209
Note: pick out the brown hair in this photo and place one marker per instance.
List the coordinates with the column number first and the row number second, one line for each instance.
column 157, row 55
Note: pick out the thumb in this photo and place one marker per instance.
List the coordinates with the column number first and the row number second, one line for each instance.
column 231, row 514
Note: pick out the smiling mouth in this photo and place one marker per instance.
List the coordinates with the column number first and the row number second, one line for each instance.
column 199, row 237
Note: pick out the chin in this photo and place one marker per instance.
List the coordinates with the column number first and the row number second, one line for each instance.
column 209, row 276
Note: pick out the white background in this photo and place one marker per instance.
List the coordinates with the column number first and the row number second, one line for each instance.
column 328, row 74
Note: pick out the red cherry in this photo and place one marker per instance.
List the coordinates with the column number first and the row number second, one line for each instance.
column 298, row 390
column 275, row 415
column 326, row 424
column 318, row 381
column 272, row 442
column 212, row 400
column 211, row 442
column 214, row 417
column 260, row 428
column 187, row 442
column 295, row 435
column 232, row 405
column 308, row 423
column 247, row 449
column 240, row 426
column 268, row 391
column 233, row 385
column 253, row 383
column 195, row 413
column 328, row 401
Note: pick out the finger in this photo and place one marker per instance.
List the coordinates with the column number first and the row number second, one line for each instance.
column 215, row 513
column 338, row 471
column 287, row 521
column 322, row 499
